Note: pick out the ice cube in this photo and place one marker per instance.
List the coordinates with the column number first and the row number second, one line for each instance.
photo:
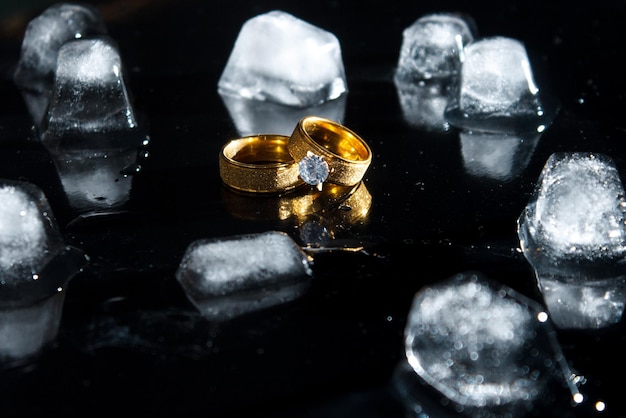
column 280, row 58
column 44, row 36
column 573, row 233
column 35, row 267
column 228, row 277
column 89, row 93
column 497, row 90
column 497, row 156
column 432, row 47
column 483, row 346
column 29, row 236
column 577, row 212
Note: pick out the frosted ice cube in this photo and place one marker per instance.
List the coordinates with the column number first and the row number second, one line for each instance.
column 497, row 89
column 45, row 35
column 228, row 277
column 577, row 211
column 482, row 345
column 89, row 93
column 497, row 156
column 432, row 47
column 29, row 236
column 280, row 58
column 573, row 233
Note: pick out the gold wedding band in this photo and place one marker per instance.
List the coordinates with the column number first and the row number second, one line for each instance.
column 328, row 151
column 259, row 164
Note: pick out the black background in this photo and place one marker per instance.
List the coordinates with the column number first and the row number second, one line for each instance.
column 130, row 343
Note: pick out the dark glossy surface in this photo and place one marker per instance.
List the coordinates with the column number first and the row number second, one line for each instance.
column 131, row 343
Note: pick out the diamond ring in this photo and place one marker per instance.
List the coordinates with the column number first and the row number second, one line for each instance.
column 327, row 151
column 259, row 164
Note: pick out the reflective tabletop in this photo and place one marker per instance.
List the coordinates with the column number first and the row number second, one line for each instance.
column 435, row 203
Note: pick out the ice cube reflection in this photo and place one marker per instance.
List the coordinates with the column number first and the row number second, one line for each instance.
column 497, row 156
column 482, row 346
column 423, row 104
column 280, row 58
column 573, row 233
column 35, row 268
column 229, row 277
column 252, row 117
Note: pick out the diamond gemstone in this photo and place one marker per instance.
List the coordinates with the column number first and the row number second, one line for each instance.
column 313, row 169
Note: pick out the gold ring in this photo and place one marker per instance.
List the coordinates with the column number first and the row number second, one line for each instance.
column 328, row 151
column 259, row 164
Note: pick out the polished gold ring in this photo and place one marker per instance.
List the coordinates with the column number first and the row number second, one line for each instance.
column 259, row 164
column 328, row 151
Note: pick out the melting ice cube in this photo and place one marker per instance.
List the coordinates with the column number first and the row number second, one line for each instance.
column 497, row 90
column 225, row 278
column 432, row 47
column 35, row 267
column 573, row 233
column 280, row 58
column 43, row 38
column 482, row 345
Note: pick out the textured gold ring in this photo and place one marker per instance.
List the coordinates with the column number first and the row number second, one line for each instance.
column 259, row 164
column 328, row 151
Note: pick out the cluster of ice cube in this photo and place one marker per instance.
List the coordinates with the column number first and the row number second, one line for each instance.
column 482, row 83
column 73, row 81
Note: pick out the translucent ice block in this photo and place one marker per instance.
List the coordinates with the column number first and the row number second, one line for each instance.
column 35, row 267
column 225, row 278
column 486, row 348
column 43, row 38
column 432, row 47
column 89, row 93
column 280, row 58
column 45, row 35
column 573, row 233
column 497, row 90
